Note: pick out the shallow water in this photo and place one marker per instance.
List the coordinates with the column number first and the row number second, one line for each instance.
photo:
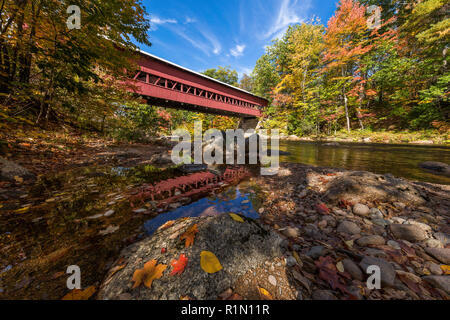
column 241, row 199
column 399, row 160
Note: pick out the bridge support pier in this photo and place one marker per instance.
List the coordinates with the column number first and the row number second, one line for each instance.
column 248, row 123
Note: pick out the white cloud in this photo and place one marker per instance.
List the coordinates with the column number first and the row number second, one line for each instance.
column 190, row 20
column 157, row 21
column 215, row 44
column 287, row 16
column 238, row 50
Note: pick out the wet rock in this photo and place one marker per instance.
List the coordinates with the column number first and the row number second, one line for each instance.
column 291, row 232
column 408, row 232
column 239, row 247
column 290, row 261
column 361, row 185
column 386, row 269
column 441, row 254
column 441, row 282
column 370, row 240
column 323, row 295
column 436, row 167
column 375, row 213
column 434, row 268
column 353, row 269
column 316, row 252
column 348, row 227
column 361, row 209
column 10, row 170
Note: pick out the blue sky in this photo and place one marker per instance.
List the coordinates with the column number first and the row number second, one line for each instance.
column 202, row 34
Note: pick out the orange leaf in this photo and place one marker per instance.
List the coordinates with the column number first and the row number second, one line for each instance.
column 189, row 235
column 166, row 225
column 179, row 265
column 150, row 272
column 78, row 294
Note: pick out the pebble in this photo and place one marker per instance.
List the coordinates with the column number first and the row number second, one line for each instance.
column 272, row 280
column 441, row 254
column 353, row 269
column 291, row 232
column 441, row 282
column 348, row 227
column 399, row 205
column 442, row 237
column 375, row 213
column 393, row 244
column 109, row 213
column 316, row 252
column 434, row 268
column 290, row 261
column 370, row 240
column 387, row 271
column 408, row 232
column 361, row 209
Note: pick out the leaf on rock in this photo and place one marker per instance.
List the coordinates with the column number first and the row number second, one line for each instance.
column 167, row 225
column 209, row 262
column 189, row 235
column 150, row 272
column 78, row 294
column 236, row 217
column 328, row 272
column 179, row 265
column 445, row 269
column 340, row 266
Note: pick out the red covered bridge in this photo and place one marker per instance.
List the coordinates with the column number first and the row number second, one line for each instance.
column 166, row 84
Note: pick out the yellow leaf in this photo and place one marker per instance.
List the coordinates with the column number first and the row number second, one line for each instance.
column 189, row 235
column 209, row 262
column 18, row 179
column 236, row 217
column 150, row 272
column 445, row 269
column 22, row 210
column 297, row 257
column 349, row 243
column 78, row 294
column 340, row 266
column 265, row 293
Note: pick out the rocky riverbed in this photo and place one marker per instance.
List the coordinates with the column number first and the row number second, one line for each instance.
column 319, row 229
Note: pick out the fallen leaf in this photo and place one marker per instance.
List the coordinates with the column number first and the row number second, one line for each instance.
column 185, row 298
column 297, row 257
column 209, row 262
column 117, row 268
column 179, row 265
column 322, row 208
column 22, row 210
column 166, row 225
column 18, row 179
column 109, row 230
column 78, row 294
column 328, row 272
column 340, row 266
column 349, row 243
column 265, row 295
column 150, row 272
column 445, row 269
column 235, row 217
column 189, row 235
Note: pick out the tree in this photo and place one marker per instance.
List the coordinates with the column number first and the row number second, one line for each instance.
column 224, row 74
column 246, row 83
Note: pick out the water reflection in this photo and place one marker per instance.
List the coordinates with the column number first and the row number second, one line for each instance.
column 399, row 160
column 241, row 199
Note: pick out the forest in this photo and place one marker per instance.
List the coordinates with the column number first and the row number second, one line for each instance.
column 364, row 70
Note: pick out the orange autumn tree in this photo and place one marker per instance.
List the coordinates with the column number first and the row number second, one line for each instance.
column 346, row 41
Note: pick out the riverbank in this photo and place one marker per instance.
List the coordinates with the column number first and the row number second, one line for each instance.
column 426, row 137
column 326, row 227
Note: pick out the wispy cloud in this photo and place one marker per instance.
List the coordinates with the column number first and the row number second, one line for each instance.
column 287, row 15
column 190, row 20
column 238, row 50
column 156, row 21
column 215, row 44
column 194, row 42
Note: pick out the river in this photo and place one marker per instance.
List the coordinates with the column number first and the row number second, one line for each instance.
column 399, row 160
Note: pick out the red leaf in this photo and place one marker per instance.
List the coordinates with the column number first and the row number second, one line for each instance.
column 179, row 265
column 322, row 208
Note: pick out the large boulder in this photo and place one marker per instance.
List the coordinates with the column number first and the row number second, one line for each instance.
column 10, row 171
column 239, row 246
column 361, row 185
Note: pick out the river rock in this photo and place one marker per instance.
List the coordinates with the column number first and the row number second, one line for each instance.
column 9, row 171
column 348, row 227
column 353, row 269
column 386, row 269
column 441, row 282
column 291, row 232
column 408, row 232
column 436, row 167
column 442, row 237
column 361, row 185
column 375, row 213
column 370, row 240
column 238, row 246
column 434, row 268
column 441, row 254
column 316, row 252
column 361, row 209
